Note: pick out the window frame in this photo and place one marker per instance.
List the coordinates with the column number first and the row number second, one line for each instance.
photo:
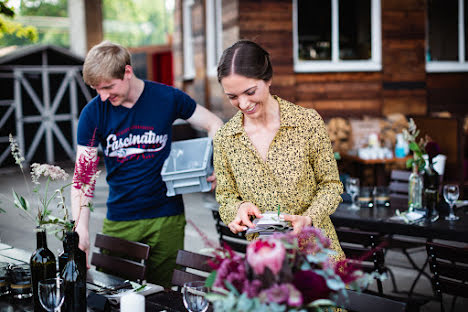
column 451, row 66
column 189, row 62
column 214, row 35
column 335, row 64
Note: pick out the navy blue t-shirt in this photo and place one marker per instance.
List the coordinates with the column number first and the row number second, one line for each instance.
column 135, row 143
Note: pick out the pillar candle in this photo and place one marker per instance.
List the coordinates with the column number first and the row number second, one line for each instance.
column 132, row 303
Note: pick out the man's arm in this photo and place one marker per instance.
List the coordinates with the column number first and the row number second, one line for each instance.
column 79, row 201
column 206, row 120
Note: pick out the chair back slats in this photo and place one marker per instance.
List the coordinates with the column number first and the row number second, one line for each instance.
column 454, row 288
column 449, row 266
column 453, row 271
column 179, row 278
column 363, row 302
column 122, row 246
column 118, row 266
column 193, row 260
column 237, row 242
column 398, row 188
column 450, row 253
column 358, row 237
column 400, row 175
column 189, row 261
column 121, row 257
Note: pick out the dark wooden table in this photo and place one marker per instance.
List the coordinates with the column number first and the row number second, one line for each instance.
column 377, row 219
column 167, row 300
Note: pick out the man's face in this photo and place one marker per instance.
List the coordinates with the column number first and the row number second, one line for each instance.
column 115, row 90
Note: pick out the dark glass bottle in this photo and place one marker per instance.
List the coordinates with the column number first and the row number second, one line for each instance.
column 74, row 275
column 431, row 188
column 63, row 256
column 43, row 265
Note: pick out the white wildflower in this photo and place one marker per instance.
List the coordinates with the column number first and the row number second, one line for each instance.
column 16, row 152
column 46, row 170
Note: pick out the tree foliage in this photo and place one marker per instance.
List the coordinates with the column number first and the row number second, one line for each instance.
column 11, row 29
column 136, row 23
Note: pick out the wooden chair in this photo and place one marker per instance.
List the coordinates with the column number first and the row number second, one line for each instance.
column 398, row 191
column 121, row 257
column 398, row 187
column 237, row 242
column 362, row 302
column 194, row 267
column 356, row 244
column 449, row 266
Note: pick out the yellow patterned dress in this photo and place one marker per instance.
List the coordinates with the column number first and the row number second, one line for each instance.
column 300, row 173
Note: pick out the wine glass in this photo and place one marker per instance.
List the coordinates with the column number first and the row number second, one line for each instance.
column 352, row 187
column 194, row 296
column 451, row 193
column 51, row 293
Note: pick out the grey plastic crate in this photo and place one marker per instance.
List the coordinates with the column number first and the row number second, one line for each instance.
column 188, row 166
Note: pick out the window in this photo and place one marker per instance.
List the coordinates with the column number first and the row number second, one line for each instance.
column 337, row 35
column 446, row 36
column 214, row 35
column 189, row 67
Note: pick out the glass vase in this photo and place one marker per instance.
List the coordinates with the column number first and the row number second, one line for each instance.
column 415, row 189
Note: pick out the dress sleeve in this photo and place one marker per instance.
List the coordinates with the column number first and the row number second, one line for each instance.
column 329, row 187
column 227, row 194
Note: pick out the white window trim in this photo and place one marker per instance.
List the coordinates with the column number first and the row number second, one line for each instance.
column 337, row 65
column 189, row 64
column 453, row 66
column 214, row 35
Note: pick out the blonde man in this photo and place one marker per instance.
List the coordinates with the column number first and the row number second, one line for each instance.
column 131, row 118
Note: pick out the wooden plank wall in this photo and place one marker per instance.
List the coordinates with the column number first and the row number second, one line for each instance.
column 448, row 92
column 403, row 41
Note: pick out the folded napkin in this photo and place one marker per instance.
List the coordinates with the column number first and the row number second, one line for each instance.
column 147, row 290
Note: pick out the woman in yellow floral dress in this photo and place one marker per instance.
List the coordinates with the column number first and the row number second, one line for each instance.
column 271, row 152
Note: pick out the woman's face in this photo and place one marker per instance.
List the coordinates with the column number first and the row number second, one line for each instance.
column 247, row 94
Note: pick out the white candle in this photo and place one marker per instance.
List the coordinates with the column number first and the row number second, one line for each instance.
column 132, row 303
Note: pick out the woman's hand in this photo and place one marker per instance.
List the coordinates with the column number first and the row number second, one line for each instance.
column 298, row 222
column 242, row 220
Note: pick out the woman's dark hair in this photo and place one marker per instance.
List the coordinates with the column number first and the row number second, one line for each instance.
column 245, row 58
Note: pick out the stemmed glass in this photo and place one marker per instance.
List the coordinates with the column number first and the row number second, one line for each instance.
column 194, row 296
column 352, row 187
column 51, row 293
column 451, row 193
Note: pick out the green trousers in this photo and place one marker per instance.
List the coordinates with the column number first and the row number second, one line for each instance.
column 165, row 235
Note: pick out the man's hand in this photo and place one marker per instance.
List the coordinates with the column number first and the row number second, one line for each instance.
column 298, row 222
column 212, row 179
column 242, row 220
column 84, row 243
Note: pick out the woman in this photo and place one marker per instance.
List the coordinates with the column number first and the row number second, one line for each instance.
column 271, row 152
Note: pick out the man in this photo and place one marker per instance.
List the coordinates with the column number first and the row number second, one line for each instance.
column 131, row 119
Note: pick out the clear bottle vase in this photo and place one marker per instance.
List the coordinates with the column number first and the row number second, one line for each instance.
column 415, row 188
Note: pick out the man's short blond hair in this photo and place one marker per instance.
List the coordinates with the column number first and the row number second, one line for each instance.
column 104, row 62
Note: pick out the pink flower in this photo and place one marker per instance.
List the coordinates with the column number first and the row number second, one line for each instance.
column 282, row 294
column 263, row 254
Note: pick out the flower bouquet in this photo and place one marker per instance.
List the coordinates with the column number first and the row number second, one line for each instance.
column 41, row 215
column 283, row 272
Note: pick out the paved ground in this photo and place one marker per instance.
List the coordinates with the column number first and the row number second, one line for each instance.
column 17, row 231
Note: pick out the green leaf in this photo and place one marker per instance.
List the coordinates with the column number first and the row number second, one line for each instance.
column 2, row 210
column 321, row 303
column 90, row 206
column 414, row 147
column 210, row 279
column 409, row 162
column 20, row 201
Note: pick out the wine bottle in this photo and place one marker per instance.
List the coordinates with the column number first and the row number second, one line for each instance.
column 74, row 275
column 43, row 265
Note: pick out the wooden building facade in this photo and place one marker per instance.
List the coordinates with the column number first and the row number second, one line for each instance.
column 407, row 67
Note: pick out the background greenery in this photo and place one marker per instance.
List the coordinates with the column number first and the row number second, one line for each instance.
column 130, row 23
